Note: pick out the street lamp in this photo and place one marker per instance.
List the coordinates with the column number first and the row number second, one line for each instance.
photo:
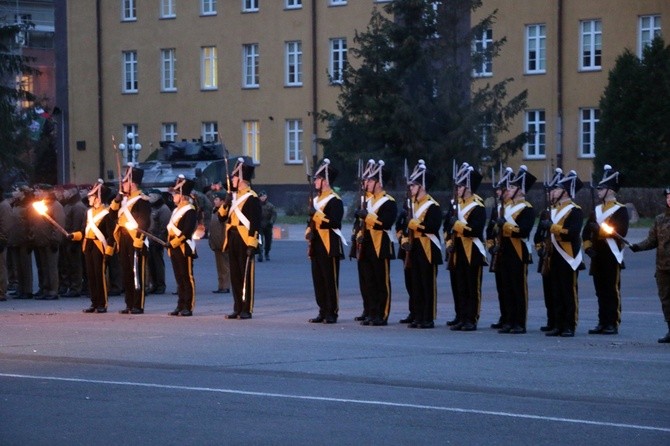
column 134, row 148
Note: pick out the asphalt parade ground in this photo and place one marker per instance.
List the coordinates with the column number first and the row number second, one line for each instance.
column 69, row 378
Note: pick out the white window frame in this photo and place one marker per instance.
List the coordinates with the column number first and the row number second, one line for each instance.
column 536, row 43
column 480, row 45
column 293, row 61
column 588, row 121
column 250, row 68
column 647, row 31
column 209, row 68
column 293, row 142
column 128, row 10
column 169, row 131
column 168, row 69
column 590, row 42
column 292, row 4
column 338, row 2
column 168, row 9
column 129, row 72
column 210, row 131
column 536, row 127
column 207, row 7
column 338, row 59
column 251, row 140
column 250, row 5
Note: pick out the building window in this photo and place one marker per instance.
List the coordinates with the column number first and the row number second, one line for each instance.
column 251, row 138
column 210, row 131
column 131, row 136
column 338, row 2
column 486, row 134
column 588, row 120
column 650, row 27
column 338, row 59
column 294, row 141
column 209, row 68
column 250, row 65
column 169, row 131
column 130, row 71
column 168, row 70
column 250, row 5
column 128, row 13
column 208, row 7
column 536, row 52
column 536, row 129
column 168, row 9
column 293, row 4
column 591, row 36
column 483, row 64
column 294, row 63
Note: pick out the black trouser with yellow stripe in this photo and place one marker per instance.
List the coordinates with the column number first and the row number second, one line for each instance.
column 424, row 284
column 237, row 255
column 564, row 292
column 606, row 273
column 182, row 265
column 375, row 283
column 96, row 264
column 514, row 288
column 134, row 297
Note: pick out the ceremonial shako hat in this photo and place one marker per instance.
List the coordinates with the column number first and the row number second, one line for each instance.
column 244, row 169
column 505, row 176
column 183, row 186
column 103, row 192
column 133, row 174
column 379, row 173
column 367, row 170
column 421, row 176
column 571, row 183
column 523, row 179
column 469, row 178
column 611, row 179
column 326, row 171
column 553, row 181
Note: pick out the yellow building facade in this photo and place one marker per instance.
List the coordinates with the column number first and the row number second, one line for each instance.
column 562, row 51
column 252, row 73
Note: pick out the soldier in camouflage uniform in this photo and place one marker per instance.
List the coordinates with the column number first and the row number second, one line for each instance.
column 659, row 238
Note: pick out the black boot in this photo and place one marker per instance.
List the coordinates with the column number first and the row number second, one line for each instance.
column 665, row 339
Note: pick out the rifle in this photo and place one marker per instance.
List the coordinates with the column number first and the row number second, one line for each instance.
column 453, row 211
column 355, row 250
column 545, row 234
column 497, row 241
column 310, row 209
column 410, row 215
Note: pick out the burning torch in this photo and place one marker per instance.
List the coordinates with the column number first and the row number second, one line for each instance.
column 610, row 230
column 41, row 209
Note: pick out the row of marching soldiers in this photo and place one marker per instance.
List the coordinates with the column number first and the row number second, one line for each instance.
column 560, row 241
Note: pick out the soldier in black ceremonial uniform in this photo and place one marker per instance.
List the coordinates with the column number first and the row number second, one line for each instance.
column 376, row 246
column 468, row 250
column 565, row 262
column 134, row 212
column 493, row 242
column 325, row 239
column 181, row 247
column 97, row 243
column 242, row 210
column 516, row 223
column 544, row 247
column 423, row 245
column 602, row 243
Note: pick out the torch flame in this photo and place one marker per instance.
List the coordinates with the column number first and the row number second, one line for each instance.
column 607, row 228
column 131, row 225
column 40, row 207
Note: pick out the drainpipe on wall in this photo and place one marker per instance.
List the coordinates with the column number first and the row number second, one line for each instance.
column 315, row 102
column 559, row 88
column 101, row 131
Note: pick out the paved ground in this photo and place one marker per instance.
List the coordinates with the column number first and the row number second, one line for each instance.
column 68, row 378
